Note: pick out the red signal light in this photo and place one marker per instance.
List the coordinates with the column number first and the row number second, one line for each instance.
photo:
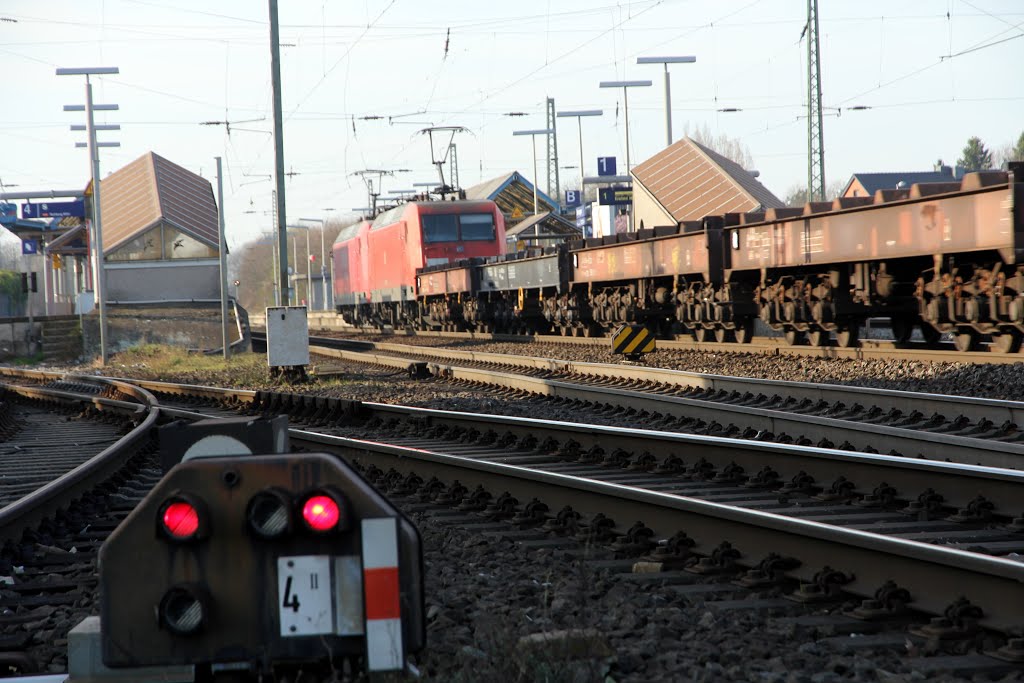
column 321, row 512
column 181, row 520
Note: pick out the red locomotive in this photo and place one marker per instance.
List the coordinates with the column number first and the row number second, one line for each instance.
column 375, row 263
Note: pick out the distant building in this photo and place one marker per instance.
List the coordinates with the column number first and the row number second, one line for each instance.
column 867, row 184
column 687, row 181
column 160, row 234
column 543, row 230
column 513, row 194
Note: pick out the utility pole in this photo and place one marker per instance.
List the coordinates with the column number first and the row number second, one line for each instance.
column 453, row 166
column 223, row 249
column 815, row 133
column 553, row 190
column 275, row 81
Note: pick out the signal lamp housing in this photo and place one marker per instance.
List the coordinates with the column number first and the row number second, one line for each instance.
column 323, row 512
column 269, row 514
column 182, row 611
column 183, row 519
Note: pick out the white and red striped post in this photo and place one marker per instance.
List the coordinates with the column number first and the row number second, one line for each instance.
column 381, row 595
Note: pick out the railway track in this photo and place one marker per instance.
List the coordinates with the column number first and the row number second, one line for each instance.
column 815, row 527
column 937, row 427
column 868, row 349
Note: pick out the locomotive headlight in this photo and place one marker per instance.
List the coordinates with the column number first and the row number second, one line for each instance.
column 182, row 611
column 269, row 514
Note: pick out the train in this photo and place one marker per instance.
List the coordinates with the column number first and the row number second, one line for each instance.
column 944, row 258
column 375, row 262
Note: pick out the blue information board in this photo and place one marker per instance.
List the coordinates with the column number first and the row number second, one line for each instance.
column 614, row 196
column 53, row 209
column 606, row 166
column 573, row 197
column 29, row 247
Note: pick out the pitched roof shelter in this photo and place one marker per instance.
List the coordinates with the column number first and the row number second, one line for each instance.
column 152, row 190
column 867, row 184
column 687, row 181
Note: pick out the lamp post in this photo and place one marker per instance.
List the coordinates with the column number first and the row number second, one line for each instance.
column 688, row 59
column 94, row 163
column 626, row 85
column 533, row 137
column 323, row 256
column 579, row 124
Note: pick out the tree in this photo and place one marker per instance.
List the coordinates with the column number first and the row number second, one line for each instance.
column 1008, row 152
column 975, row 156
column 730, row 148
column 797, row 194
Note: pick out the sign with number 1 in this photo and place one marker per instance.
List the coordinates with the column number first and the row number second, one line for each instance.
column 606, row 166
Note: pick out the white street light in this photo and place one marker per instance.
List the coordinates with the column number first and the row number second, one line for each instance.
column 533, row 137
column 97, row 242
column 626, row 85
column 579, row 124
column 688, row 59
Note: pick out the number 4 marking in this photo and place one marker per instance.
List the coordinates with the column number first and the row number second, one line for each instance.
column 290, row 600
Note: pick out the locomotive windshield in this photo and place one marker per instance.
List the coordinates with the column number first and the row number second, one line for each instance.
column 451, row 227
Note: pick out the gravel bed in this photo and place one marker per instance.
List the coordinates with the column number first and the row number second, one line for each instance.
column 960, row 379
column 485, row 593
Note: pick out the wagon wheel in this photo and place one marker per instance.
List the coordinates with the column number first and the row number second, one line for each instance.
column 965, row 340
column 902, row 328
column 930, row 334
column 818, row 337
column 848, row 336
column 793, row 337
column 1007, row 342
column 723, row 335
column 744, row 331
column 702, row 334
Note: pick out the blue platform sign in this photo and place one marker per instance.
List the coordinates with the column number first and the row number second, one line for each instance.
column 8, row 210
column 573, row 197
column 606, row 166
column 54, row 209
column 29, row 247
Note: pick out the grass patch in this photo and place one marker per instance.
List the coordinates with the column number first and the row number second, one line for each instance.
column 34, row 359
column 159, row 362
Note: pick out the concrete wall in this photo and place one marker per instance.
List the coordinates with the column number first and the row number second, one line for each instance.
column 647, row 210
column 163, row 281
column 15, row 337
column 192, row 326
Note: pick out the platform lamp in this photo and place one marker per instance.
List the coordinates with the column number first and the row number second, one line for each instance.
column 688, row 59
column 533, row 136
column 626, row 85
column 94, row 164
column 579, row 124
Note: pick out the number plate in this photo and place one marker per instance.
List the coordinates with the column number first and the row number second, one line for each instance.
column 305, row 600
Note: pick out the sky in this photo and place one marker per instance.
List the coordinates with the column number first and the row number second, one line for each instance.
column 194, row 84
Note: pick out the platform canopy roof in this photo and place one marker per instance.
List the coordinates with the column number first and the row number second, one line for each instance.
column 513, row 194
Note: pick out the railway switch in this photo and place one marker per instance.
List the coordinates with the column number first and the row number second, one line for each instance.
column 265, row 563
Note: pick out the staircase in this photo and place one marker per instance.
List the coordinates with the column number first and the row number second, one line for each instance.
column 62, row 338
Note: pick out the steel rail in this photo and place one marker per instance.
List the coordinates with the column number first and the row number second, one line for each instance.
column 959, row 484
column 974, row 408
column 860, row 435
column 936, row 573
column 45, row 501
column 773, row 346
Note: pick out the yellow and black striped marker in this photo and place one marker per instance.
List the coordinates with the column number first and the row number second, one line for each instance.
column 632, row 340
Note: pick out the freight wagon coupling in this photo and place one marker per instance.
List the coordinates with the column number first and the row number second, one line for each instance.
column 632, row 342
column 246, row 563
